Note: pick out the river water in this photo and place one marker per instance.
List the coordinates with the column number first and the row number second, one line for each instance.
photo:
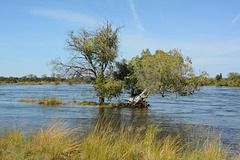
column 218, row 107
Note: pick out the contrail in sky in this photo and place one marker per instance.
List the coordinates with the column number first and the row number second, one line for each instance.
column 235, row 19
column 137, row 21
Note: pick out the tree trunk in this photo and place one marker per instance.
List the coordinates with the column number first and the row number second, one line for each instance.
column 101, row 98
column 140, row 100
column 131, row 99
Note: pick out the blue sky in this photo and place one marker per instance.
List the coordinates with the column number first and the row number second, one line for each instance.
column 33, row 32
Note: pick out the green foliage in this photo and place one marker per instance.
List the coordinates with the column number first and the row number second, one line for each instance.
column 108, row 87
column 70, row 82
column 166, row 72
column 95, row 50
column 30, row 80
column 233, row 80
column 56, row 83
column 125, row 72
column 233, row 76
column 94, row 53
column 218, row 77
column 113, row 88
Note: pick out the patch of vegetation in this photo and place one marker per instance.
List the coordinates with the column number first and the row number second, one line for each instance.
column 58, row 101
column 103, row 141
column 113, row 105
column 233, row 80
column 34, row 80
column 44, row 101
column 87, row 103
column 51, row 101
column 27, row 100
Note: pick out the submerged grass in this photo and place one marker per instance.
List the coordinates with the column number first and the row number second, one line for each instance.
column 104, row 142
column 52, row 101
column 116, row 105
column 44, row 101
column 27, row 100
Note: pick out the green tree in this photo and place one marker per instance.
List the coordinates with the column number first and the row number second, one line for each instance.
column 233, row 76
column 218, row 77
column 93, row 53
column 164, row 73
column 125, row 72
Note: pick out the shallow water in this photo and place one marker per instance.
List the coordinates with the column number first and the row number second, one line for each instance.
column 218, row 107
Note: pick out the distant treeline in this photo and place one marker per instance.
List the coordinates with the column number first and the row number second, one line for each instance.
column 232, row 80
column 32, row 79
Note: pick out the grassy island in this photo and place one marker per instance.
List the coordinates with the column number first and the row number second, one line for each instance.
column 58, row 101
column 44, row 101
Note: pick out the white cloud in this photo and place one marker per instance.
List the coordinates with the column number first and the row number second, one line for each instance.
column 65, row 15
column 235, row 19
column 136, row 19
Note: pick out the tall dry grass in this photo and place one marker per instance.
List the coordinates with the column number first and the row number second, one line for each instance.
column 54, row 142
column 105, row 142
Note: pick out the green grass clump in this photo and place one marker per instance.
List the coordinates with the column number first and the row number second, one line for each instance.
column 105, row 142
column 51, row 101
column 44, row 101
column 27, row 100
column 56, row 82
column 58, row 101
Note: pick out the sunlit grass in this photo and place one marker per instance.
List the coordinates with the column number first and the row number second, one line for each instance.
column 27, row 100
column 52, row 101
column 54, row 142
column 103, row 141
column 44, row 101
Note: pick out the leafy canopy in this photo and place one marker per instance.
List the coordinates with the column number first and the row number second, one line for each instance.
column 93, row 53
column 165, row 72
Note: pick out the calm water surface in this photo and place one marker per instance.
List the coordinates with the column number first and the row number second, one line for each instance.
column 218, row 107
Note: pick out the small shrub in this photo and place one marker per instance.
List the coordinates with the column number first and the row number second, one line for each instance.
column 56, row 83
column 70, row 82
column 74, row 100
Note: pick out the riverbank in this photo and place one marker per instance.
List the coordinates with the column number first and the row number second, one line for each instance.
column 103, row 141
